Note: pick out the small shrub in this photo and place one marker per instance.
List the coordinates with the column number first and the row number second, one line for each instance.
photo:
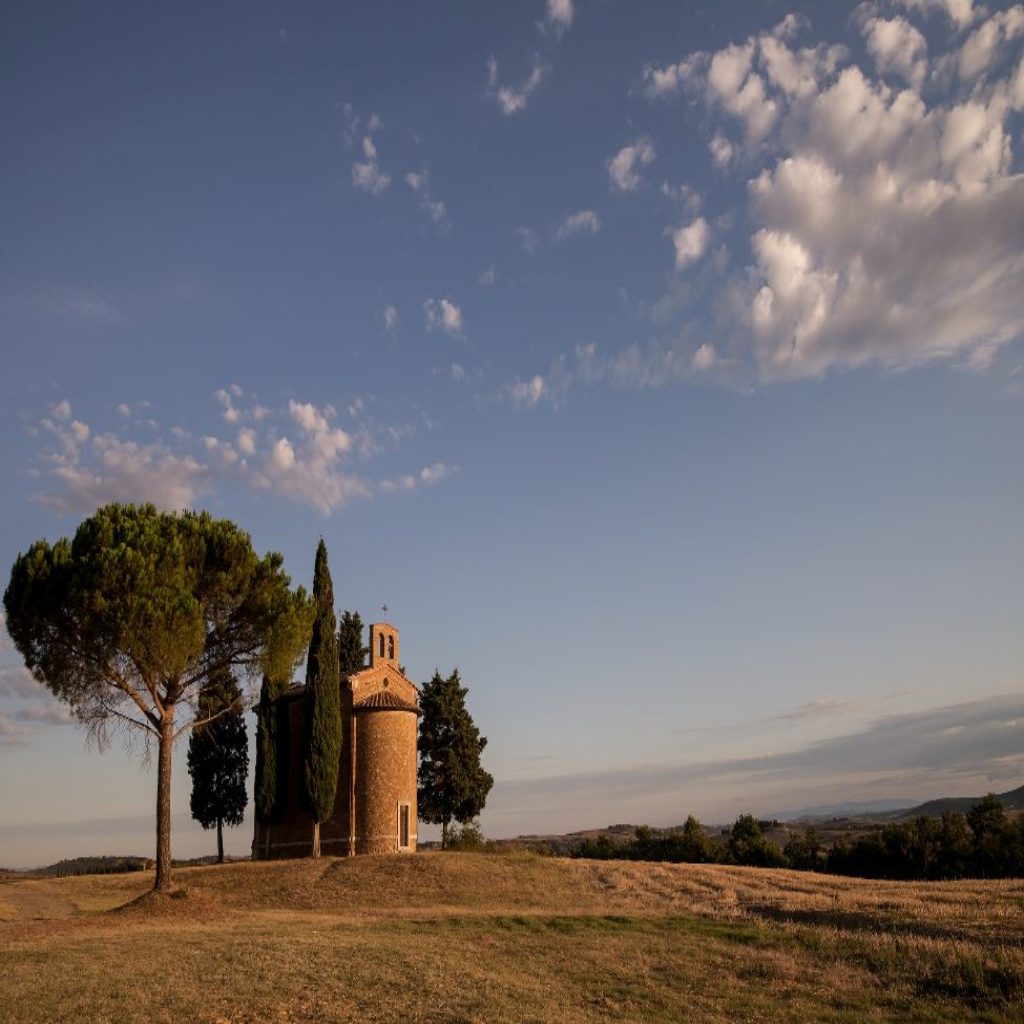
column 468, row 838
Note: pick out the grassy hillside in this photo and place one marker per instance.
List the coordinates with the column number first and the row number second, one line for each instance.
column 473, row 937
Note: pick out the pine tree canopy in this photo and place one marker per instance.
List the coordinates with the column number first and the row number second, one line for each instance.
column 452, row 784
column 128, row 620
column 322, row 728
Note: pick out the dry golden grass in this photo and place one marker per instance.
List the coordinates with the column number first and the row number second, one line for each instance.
column 470, row 937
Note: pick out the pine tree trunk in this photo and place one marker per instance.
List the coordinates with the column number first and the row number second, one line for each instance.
column 444, row 834
column 220, row 842
column 163, row 803
column 315, row 852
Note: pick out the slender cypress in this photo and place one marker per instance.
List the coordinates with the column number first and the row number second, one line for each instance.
column 321, row 751
column 271, row 750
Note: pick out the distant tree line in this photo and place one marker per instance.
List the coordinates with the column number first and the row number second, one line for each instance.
column 96, row 866
column 984, row 843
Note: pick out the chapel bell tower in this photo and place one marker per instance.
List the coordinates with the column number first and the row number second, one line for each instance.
column 383, row 645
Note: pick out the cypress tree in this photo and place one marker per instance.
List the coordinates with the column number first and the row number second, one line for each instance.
column 351, row 652
column 321, row 751
column 271, row 750
column 452, row 784
column 218, row 756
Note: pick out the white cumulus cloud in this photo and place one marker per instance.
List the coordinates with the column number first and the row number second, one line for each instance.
column 885, row 220
column 527, row 392
column 623, row 168
column 366, row 173
column 691, row 242
column 897, row 47
column 559, row 15
column 443, row 315
column 298, row 452
column 722, row 150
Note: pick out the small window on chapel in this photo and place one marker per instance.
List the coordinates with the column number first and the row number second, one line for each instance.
column 391, row 648
column 381, row 645
column 403, row 826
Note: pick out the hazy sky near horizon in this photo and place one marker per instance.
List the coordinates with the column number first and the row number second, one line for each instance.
column 657, row 364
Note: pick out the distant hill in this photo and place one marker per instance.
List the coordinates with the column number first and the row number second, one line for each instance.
column 847, row 809
column 897, row 810
column 1013, row 800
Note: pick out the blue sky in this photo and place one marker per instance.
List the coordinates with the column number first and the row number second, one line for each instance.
column 657, row 364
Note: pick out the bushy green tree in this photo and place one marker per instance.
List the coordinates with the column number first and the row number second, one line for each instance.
column 804, row 851
column 351, row 651
column 695, row 845
column 452, row 783
column 127, row 621
column 955, row 847
column 997, row 852
column 218, row 756
column 749, row 845
column 321, row 747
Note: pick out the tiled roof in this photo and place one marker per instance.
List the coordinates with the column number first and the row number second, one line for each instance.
column 384, row 700
column 384, row 666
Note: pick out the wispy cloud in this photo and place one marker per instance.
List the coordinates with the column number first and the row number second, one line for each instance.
column 435, row 209
column 443, row 315
column 366, row 173
column 513, row 99
column 581, row 222
column 359, row 135
column 527, row 392
column 428, row 476
column 528, row 237
column 822, row 707
column 978, row 744
column 16, row 681
column 72, row 302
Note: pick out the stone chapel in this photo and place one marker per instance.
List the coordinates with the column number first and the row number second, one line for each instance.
column 375, row 807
